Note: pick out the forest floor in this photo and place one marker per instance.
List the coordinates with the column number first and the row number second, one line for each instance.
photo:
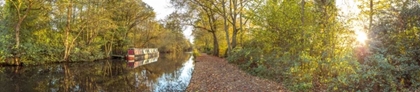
column 216, row 74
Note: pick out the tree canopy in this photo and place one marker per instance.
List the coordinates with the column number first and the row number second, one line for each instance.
column 45, row 31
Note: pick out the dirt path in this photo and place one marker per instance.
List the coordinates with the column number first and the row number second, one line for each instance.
column 215, row 74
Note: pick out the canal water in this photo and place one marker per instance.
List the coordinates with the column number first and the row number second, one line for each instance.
column 171, row 72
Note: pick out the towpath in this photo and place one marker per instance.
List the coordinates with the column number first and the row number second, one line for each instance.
column 216, row 74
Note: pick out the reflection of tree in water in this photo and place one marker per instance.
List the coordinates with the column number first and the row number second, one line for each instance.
column 168, row 63
column 89, row 76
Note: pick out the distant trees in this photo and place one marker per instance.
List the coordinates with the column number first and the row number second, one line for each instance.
column 174, row 31
column 43, row 31
column 211, row 16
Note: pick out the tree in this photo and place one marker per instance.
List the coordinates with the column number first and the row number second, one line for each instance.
column 235, row 15
column 393, row 33
column 236, row 12
column 67, row 44
column 4, row 42
column 207, row 13
column 21, row 17
column 71, row 30
column 300, row 43
column 22, row 10
column 225, row 18
column 129, row 15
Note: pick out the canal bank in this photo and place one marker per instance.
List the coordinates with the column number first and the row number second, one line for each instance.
column 215, row 74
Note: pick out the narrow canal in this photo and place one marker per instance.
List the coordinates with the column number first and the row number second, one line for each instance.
column 171, row 72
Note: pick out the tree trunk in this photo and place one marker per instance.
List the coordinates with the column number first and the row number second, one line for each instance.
column 215, row 44
column 17, row 33
column 302, row 19
column 16, row 51
column 109, row 46
column 235, row 13
column 207, row 45
column 226, row 28
column 234, row 39
column 371, row 14
column 235, row 30
column 67, row 32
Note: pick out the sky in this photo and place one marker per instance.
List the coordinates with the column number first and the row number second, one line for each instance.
column 1, row 2
column 348, row 9
column 162, row 9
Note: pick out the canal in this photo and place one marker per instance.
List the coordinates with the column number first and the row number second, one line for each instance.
column 171, row 72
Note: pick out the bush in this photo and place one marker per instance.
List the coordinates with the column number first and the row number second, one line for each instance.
column 196, row 53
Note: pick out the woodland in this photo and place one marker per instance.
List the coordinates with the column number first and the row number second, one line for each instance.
column 307, row 45
column 48, row 31
column 311, row 45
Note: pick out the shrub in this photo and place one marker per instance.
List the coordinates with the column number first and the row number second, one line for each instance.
column 196, row 53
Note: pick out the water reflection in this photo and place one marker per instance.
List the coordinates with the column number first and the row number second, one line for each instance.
column 171, row 72
column 176, row 81
column 140, row 62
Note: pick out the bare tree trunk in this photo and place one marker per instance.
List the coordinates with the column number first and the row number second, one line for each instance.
column 17, row 51
column 17, row 33
column 226, row 28
column 234, row 39
column 213, row 27
column 235, row 12
column 215, row 44
column 234, row 35
column 67, row 31
column 302, row 18
column 371, row 14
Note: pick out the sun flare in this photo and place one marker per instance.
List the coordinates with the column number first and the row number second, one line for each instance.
column 361, row 37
